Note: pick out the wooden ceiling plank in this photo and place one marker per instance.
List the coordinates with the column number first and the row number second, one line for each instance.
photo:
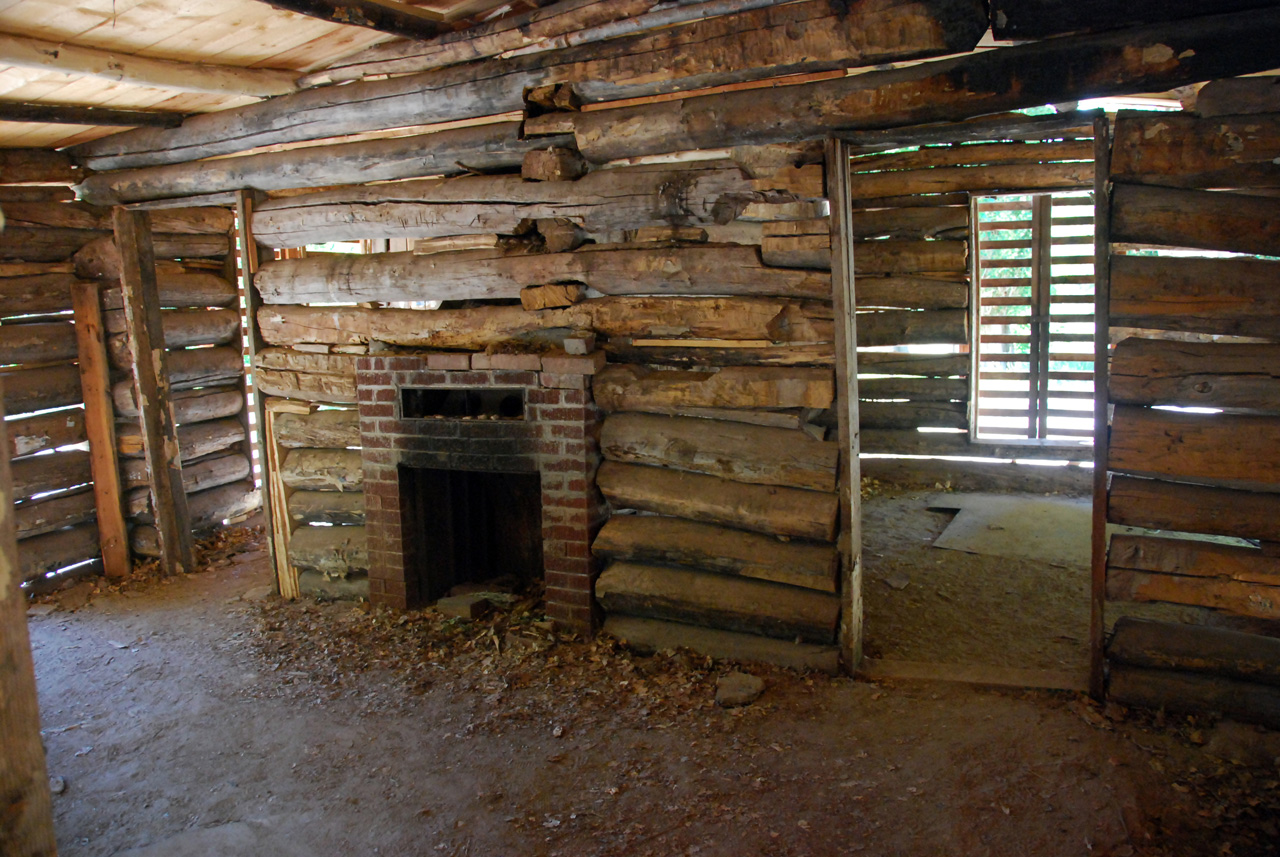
column 385, row 16
column 143, row 71
column 68, row 114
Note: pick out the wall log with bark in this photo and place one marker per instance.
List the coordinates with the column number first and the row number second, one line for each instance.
column 1195, row 333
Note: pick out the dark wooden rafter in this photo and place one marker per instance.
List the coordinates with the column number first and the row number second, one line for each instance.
column 1040, row 19
column 385, row 16
column 1050, row 72
column 70, row 114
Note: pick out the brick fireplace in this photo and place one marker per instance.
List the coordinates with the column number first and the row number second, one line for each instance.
column 477, row 439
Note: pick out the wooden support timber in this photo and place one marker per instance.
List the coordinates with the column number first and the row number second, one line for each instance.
column 159, row 433
column 24, row 780
column 95, row 379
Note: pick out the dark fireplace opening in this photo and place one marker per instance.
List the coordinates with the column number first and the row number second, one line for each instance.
column 418, row 403
column 465, row 526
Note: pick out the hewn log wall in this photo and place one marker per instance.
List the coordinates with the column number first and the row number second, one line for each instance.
column 1194, row 474
column 205, row 363
column 53, row 483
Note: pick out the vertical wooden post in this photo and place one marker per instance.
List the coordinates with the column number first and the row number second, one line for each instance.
column 846, row 348
column 26, row 808
column 100, row 427
column 151, row 384
column 273, row 517
column 1101, row 399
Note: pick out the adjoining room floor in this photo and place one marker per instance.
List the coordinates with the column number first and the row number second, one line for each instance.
column 202, row 718
column 933, row 605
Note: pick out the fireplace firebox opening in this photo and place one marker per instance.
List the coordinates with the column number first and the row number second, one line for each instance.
column 476, row 527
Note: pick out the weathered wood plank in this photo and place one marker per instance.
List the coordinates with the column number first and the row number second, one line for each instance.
column 1196, row 374
column 332, row 551
column 1160, row 505
column 48, row 342
column 905, row 327
column 45, row 431
column 36, row 292
column 332, row 389
column 1195, row 447
column 911, row 415
column 805, row 36
column 1144, row 59
column 78, row 215
column 210, row 508
column 709, row 353
column 911, row 442
column 1234, row 297
column 1179, row 150
column 194, row 440
column 1205, row 220
column 675, row 541
column 100, row 258
column 39, row 555
column 759, row 508
column 719, row 601
column 1236, row 95
column 635, row 388
column 495, row 146
column 988, row 179
column 743, row 453
column 95, row 382
column 160, row 443
column 183, row 290
column 189, row 406
column 970, row 155
column 326, row 507
column 915, row 389
column 1195, row 648
column 46, row 473
column 1228, row 596
column 896, row 363
column 320, row 430
column 1187, row 557
column 605, row 200
column 323, row 470
column 20, row 166
column 890, row 256
column 27, row 390
column 37, row 518
column 738, row 318
column 467, row 274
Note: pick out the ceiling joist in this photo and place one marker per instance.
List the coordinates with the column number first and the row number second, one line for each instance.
column 68, row 114
column 38, row 54
column 386, row 16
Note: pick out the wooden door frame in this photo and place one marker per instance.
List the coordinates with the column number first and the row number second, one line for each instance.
column 849, row 541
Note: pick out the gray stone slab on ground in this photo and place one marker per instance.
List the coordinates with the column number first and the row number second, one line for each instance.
column 1054, row 530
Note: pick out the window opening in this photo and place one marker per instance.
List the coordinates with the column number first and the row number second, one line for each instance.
column 1033, row 277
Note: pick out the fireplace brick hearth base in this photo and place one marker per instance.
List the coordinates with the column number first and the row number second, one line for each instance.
column 554, row 433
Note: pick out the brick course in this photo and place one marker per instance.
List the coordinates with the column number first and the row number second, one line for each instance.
column 557, row 439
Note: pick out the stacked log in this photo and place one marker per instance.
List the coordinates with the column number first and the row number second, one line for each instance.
column 205, row 364
column 54, row 508
column 322, row 478
column 1193, row 475
column 724, row 499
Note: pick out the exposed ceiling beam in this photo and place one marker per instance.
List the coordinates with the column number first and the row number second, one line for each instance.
column 67, row 114
column 386, row 16
column 38, row 54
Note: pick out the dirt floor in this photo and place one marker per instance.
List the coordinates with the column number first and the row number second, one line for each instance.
column 200, row 716
column 932, row 605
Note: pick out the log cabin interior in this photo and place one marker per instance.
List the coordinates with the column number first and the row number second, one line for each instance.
column 634, row 302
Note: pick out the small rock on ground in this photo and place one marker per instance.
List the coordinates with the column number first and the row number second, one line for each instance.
column 737, row 689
